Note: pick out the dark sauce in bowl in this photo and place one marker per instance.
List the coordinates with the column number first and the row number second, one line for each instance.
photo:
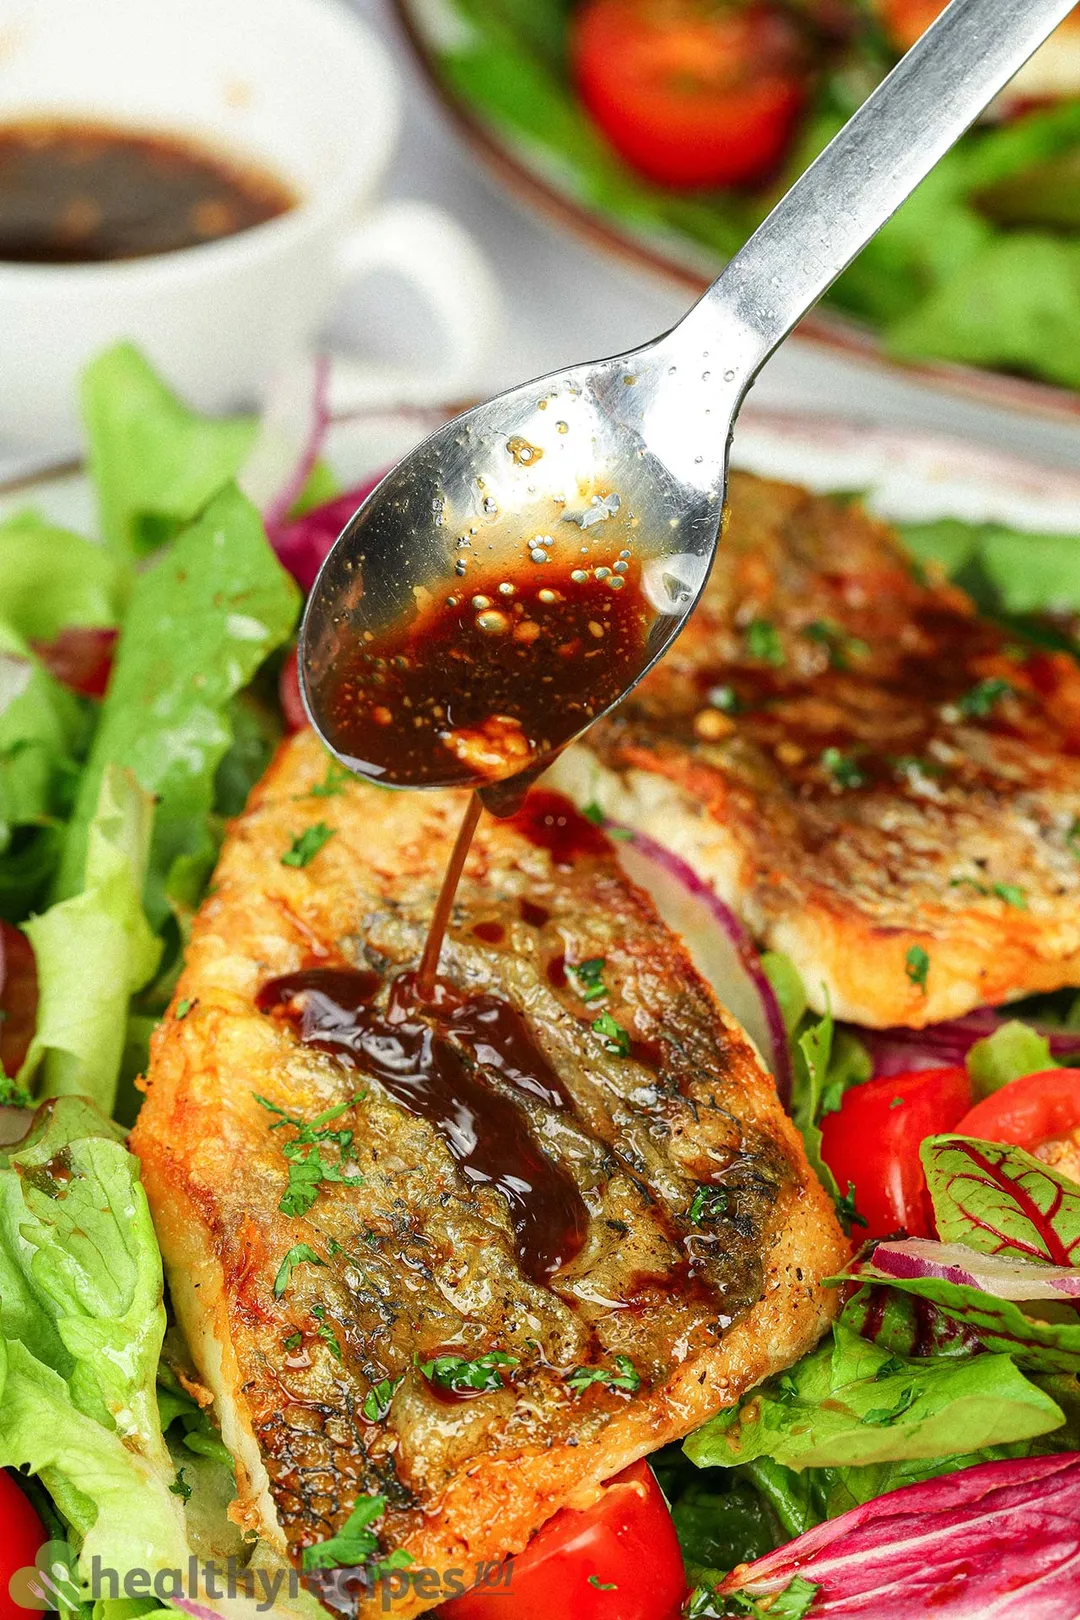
column 81, row 193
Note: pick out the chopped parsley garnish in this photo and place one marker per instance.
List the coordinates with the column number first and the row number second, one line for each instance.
column 325, row 1331
column 1011, row 893
column 299, row 1255
column 307, row 1168
column 356, row 1544
column 293, row 1341
column 377, row 1401
column 13, row 1096
column 615, row 1038
column 763, row 642
column 588, row 978
column 910, row 765
column 708, row 1205
column 624, row 1375
column 917, row 966
column 890, row 1368
column 846, row 1212
column 458, row 1374
column 592, row 812
column 724, row 698
column 842, row 768
column 184, row 1006
column 897, row 1102
column 1072, row 837
column 840, row 646
column 180, row 1486
column 602, row 1586
column 334, row 782
column 980, row 701
column 306, row 845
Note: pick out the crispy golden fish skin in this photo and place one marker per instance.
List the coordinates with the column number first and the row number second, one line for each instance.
column 418, row 1259
column 860, row 765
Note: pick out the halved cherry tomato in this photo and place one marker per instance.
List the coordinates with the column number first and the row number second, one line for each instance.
column 692, row 93
column 873, row 1144
column 21, row 1534
column 1028, row 1111
column 617, row 1560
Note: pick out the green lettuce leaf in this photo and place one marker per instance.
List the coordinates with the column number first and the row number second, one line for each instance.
column 41, row 729
column 1008, row 1054
column 1014, row 306
column 81, row 1323
column 51, row 578
column 95, row 950
column 154, row 462
column 999, row 1200
column 81, row 1326
column 200, row 623
column 852, row 1403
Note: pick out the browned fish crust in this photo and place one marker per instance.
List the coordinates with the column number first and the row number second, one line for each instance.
column 861, row 766
column 417, row 1259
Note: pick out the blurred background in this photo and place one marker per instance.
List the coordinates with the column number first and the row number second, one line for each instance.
column 566, row 299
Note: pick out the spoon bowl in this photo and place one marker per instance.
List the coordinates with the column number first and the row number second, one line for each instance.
column 618, row 467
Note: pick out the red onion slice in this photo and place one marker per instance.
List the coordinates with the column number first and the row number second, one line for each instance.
column 1000, row 1275
column 897, row 1051
column 719, row 946
column 291, row 430
column 1001, row 1540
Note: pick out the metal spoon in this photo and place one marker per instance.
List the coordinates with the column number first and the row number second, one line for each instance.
column 631, row 453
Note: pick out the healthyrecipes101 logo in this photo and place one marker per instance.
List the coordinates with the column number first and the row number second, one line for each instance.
column 52, row 1583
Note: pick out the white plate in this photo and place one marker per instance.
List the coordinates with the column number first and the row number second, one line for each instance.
column 904, row 474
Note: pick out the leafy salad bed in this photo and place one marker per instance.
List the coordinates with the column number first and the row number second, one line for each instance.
column 140, row 682
column 981, row 266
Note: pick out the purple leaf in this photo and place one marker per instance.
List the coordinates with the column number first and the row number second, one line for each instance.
column 1001, row 1540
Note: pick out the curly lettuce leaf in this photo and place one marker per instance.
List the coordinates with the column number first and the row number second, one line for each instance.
column 154, row 462
column 853, row 1403
column 81, row 1323
column 81, row 1326
column 94, row 950
column 200, row 623
column 999, row 1200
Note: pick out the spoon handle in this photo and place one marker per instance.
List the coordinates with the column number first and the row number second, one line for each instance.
column 897, row 136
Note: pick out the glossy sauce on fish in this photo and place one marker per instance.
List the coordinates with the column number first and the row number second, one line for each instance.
column 435, row 1055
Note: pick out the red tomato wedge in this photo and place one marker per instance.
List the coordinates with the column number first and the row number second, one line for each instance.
column 873, row 1144
column 692, row 95
column 21, row 1534
column 1028, row 1111
column 617, row 1560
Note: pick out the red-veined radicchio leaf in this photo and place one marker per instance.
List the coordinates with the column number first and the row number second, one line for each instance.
column 1001, row 1540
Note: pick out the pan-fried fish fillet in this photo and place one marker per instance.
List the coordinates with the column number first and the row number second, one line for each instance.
column 860, row 765
column 424, row 1257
